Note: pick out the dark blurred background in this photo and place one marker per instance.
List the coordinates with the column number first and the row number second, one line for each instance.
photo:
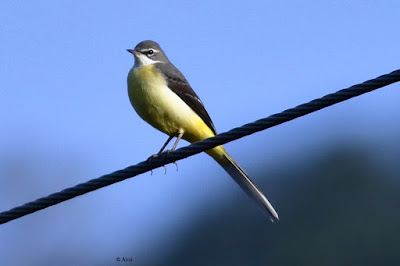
column 338, row 206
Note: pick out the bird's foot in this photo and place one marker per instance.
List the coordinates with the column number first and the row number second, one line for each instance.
column 164, row 153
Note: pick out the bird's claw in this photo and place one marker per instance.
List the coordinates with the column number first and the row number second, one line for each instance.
column 164, row 153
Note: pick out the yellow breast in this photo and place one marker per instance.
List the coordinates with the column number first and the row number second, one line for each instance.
column 161, row 107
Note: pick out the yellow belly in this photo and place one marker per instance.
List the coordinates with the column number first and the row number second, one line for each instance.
column 162, row 108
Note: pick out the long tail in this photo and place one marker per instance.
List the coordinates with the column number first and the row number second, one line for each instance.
column 243, row 180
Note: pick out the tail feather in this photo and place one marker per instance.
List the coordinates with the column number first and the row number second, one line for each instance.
column 243, row 180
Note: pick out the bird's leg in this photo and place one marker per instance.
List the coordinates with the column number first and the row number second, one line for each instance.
column 176, row 144
column 165, row 144
column 162, row 148
column 178, row 138
column 158, row 153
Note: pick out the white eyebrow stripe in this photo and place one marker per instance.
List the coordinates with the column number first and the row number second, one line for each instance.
column 155, row 50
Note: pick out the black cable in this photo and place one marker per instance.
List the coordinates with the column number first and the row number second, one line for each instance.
column 201, row 146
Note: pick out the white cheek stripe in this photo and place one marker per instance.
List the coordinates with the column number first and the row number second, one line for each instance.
column 143, row 61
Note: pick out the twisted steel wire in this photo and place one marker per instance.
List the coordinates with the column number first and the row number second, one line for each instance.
column 201, row 146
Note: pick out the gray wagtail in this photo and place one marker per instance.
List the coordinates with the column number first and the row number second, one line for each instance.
column 163, row 98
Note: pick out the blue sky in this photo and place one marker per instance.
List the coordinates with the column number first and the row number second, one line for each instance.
column 66, row 116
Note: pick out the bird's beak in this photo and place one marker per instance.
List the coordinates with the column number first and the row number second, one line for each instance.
column 131, row 51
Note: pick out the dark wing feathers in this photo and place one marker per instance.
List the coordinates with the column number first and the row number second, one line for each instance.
column 179, row 85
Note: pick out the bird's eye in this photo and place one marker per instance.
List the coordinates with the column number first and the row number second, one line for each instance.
column 150, row 52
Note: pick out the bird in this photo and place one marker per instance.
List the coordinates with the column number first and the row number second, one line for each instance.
column 162, row 97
